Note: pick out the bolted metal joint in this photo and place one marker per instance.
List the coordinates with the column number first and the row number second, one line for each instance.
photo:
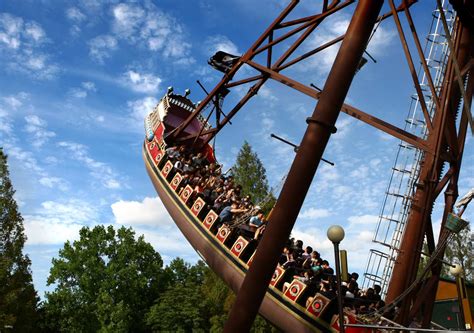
column 331, row 128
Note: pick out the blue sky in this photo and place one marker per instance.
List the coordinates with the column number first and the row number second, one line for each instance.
column 77, row 77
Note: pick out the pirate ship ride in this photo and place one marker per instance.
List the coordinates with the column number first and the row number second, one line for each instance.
column 249, row 266
column 224, row 250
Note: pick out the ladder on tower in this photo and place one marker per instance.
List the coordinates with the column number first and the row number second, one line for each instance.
column 405, row 172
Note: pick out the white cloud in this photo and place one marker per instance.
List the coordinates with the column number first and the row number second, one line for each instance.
column 78, row 93
column 128, row 19
column 140, row 108
column 30, row 163
column 220, row 43
column 362, row 222
column 99, row 170
column 83, row 91
column 314, row 213
column 141, row 82
column 15, row 101
column 34, row 31
column 21, row 42
column 36, row 128
column 11, row 28
column 151, row 28
column 150, row 211
column 90, row 86
column 381, row 40
column 365, row 236
column 54, row 182
column 56, row 222
column 71, row 211
column 344, row 125
column 6, row 125
column 101, row 47
column 74, row 14
column 268, row 95
column 45, row 231
column 26, row 158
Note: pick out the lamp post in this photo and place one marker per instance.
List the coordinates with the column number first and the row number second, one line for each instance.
column 457, row 271
column 336, row 235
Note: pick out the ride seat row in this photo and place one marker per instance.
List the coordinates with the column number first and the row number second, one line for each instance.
column 238, row 245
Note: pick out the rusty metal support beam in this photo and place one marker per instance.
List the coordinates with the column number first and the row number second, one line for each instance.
column 254, row 89
column 411, row 66
column 315, row 21
column 443, row 182
column 422, row 58
column 285, row 80
column 431, row 185
column 320, row 127
column 244, row 81
column 348, row 109
column 228, row 77
column 310, row 53
column 387, row 128
column 449, row 199
column 467, row 102
column 403, row 6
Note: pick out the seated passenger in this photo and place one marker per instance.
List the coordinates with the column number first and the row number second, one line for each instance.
column 307, row 253
column 290, row 261
column 351, row 291
column 299, row 248
column 327, row 271
column 198, row 161
column 227, row 214
column 257, row 220
column 353, row 277
column 172, row 152
column 219, row 204
column 187, row 167
column 377, row 290
column 305, row 278
column 199, row 188
column 178, row 165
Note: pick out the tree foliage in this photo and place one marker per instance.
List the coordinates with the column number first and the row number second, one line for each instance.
column 196, row 300
column 18, row 298
column 181, row 308
column 106, row 281
column 460, row 251
column 249, row 172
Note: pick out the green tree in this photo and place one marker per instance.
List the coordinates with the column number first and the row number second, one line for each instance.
column 219, row 300
column 249, row 172
column 181, row 308
column 18, row 298
column 459, row 251
column 106, row 281
column 197, row 300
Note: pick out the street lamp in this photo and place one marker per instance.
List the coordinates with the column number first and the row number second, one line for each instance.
column 456, row 270
column 336, row 235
